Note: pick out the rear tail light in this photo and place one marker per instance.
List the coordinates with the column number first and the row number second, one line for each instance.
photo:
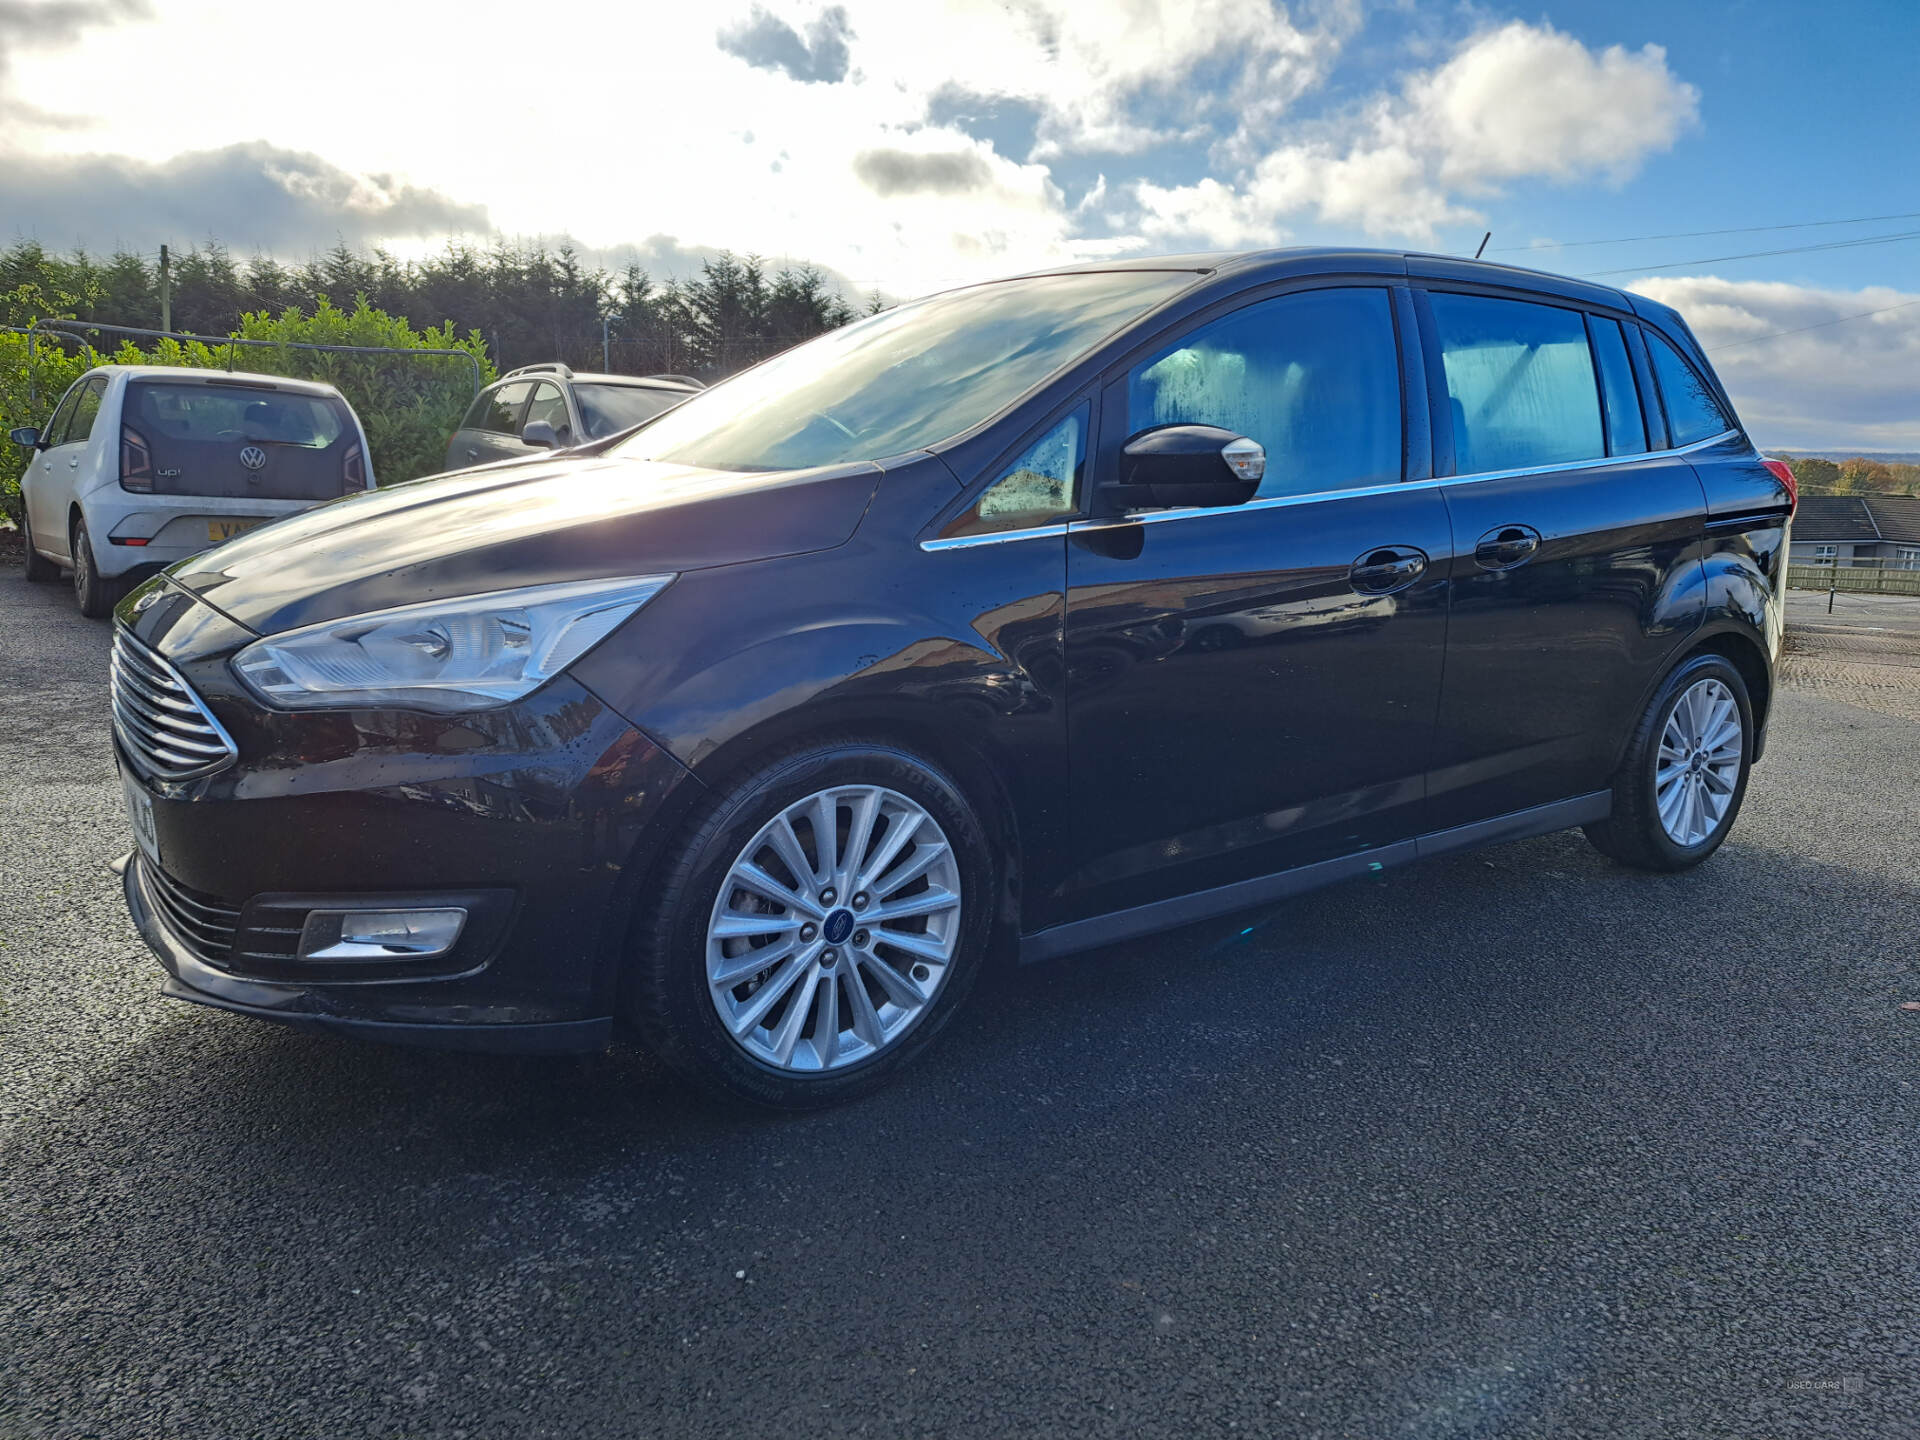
column 1783, row 472
column 136, row 461
column 353, row 471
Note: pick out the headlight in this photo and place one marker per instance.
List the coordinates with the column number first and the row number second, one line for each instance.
column 449, row 655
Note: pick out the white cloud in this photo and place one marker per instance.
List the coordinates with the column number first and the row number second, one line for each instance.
column 819, row 131
column 1526, row 100
column 1840, row 386
column 1519, row 102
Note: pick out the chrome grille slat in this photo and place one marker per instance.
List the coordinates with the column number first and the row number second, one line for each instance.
column 179, row 730
column 165, row 729
column 152, row 688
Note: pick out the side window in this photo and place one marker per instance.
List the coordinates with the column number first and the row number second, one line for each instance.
column 62, row 414
column 503, row 407
column 1037, row 488
column 1626, row 425
column 1693, row 411
column 550, row 405
column 86, row 409
column 1313, row 377
column 1521, row 383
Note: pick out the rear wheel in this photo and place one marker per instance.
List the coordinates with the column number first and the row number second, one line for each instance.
column 818, row 927
column 40, row 569
column 1680, row 787
column 96, row 593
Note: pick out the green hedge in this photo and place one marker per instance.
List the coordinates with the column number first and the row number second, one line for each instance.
column 410, row 405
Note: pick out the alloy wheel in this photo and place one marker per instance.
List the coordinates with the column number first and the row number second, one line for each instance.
column 1698, row 768
column 834, row 929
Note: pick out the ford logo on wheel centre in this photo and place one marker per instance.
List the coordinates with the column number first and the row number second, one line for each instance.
column 253, row 457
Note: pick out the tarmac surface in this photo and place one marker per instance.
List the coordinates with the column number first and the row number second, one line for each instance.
column 1508, row 1144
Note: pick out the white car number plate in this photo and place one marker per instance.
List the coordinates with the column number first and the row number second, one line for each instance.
column 140, row 816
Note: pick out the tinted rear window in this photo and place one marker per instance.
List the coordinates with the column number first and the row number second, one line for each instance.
column 607, row 408
column 241, row 440
column 165, row 411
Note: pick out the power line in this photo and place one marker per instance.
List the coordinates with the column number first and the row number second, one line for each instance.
column 1697, row 234
column 1817, row 325
column 1757, row 254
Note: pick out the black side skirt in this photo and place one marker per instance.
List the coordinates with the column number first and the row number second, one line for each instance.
column 1118, row 925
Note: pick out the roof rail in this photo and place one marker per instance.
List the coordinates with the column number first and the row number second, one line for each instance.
column 678, row 380
column 550, row 367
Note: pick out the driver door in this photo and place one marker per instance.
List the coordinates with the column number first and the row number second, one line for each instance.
column 1253, row 687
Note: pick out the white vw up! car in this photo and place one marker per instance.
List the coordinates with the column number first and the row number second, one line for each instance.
column 143, row 465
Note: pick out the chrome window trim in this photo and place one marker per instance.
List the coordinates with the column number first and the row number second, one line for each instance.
column 993, row 537
column 1275, row 502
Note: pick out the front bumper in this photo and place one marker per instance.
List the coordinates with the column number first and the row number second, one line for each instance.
column 192, row 980
column 538, row 818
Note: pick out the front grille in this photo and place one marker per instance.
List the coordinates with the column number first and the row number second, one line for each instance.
column 206, row 924
column 163, row 726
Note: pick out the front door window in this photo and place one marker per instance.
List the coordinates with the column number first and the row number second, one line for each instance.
column 1314, row 377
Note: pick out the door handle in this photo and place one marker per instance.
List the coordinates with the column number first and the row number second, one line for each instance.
column 472, row 454
column 1388, row 568
column 1506, row 547
column 73, row 462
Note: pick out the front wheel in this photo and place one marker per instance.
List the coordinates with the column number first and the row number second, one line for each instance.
column 97, row 594
column 1680, row 787
column 816, row 929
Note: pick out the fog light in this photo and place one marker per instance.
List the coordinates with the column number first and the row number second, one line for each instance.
column 379, row 934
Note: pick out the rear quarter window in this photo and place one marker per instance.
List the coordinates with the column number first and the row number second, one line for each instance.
column 1693, row 410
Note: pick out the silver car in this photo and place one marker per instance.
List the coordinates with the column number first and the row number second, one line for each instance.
column 143, row 465
column 550, row 407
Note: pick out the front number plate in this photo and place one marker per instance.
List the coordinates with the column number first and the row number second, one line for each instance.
column 227, row 529
column 140, row 816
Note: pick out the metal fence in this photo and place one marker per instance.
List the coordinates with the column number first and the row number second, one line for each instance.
column 68, row 330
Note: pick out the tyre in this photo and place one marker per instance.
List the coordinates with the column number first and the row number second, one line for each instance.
column 96, row 593
column 1679, row 789
column 816, row 928
column 40, row 569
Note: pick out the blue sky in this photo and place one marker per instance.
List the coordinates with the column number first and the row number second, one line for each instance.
column 1806, row 113
column 911, row 144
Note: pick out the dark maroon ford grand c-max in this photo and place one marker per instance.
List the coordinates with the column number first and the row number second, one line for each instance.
column 1036, row 614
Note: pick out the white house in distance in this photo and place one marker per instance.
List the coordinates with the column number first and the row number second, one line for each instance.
column 1878, row 530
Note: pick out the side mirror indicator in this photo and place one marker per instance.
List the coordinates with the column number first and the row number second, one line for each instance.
column 1188, row 465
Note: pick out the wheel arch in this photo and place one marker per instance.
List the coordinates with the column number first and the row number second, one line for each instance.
column 1747, row 656
column 1738, row 648
column 919, row 730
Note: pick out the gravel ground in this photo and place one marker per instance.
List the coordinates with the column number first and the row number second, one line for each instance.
column 1509, row 1144
column 1865, row 650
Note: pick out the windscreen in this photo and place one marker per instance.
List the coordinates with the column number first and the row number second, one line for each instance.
column 220, row 438
column 607, row 408
column 904, row 379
